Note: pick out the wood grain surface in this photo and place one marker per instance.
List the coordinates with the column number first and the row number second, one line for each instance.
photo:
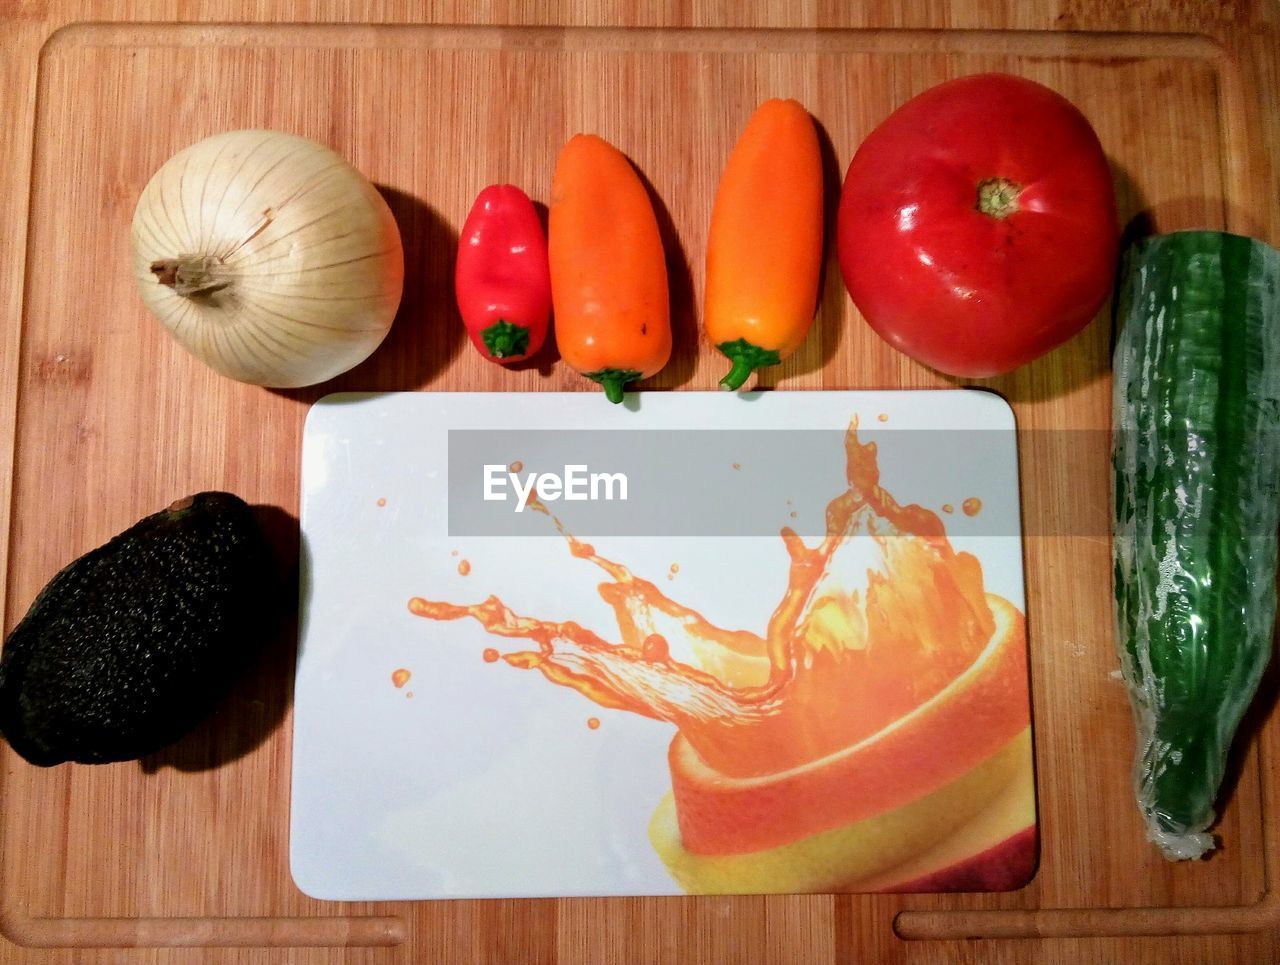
column 183, row 858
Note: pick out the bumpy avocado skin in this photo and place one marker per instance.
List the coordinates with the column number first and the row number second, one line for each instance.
column 132, row 644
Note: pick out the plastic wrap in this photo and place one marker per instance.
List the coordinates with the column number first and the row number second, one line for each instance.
column 1196, row 468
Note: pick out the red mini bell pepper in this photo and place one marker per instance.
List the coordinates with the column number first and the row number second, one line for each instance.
column 502, row 279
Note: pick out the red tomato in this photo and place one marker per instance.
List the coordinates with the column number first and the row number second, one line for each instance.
column 977, row 225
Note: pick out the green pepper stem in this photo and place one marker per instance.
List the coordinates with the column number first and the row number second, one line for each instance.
column 613, row 381
column 504, row 339
column 738, row 374
column 746, row 358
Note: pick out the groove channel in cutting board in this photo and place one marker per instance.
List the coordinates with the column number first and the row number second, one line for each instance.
column 115, row 421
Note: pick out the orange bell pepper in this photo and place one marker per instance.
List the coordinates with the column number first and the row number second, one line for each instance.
column 608, row 272
column 764, row 251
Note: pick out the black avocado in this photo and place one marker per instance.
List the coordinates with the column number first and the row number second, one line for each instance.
column 131, row 645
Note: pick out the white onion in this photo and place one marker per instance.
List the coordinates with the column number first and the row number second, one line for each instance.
column 268, row 257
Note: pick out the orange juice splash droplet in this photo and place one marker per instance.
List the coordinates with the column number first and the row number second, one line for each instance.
column 490, row 655
column 655, row 648
column 874, row 620
column 593, row 723
column 948, row 508
column 737, row 465
column 400, row 677
column 972, row 506
column 883, row 417
column 464, row 568
column 382, row 500
column 516, row 466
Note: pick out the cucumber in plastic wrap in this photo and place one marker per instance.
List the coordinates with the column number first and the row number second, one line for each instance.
column 1196, row 459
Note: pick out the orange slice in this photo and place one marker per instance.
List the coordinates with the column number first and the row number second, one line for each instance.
column 947, row 736
column 995, row 851
column 875, row 853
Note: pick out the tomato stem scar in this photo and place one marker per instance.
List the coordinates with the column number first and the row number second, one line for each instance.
column 998, row 197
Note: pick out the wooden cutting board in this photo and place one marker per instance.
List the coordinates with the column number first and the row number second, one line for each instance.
column 188, row 850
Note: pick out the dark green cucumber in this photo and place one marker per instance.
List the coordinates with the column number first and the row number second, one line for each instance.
column 1196, row 459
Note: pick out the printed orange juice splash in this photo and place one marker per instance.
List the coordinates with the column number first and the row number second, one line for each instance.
column 874, row 621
